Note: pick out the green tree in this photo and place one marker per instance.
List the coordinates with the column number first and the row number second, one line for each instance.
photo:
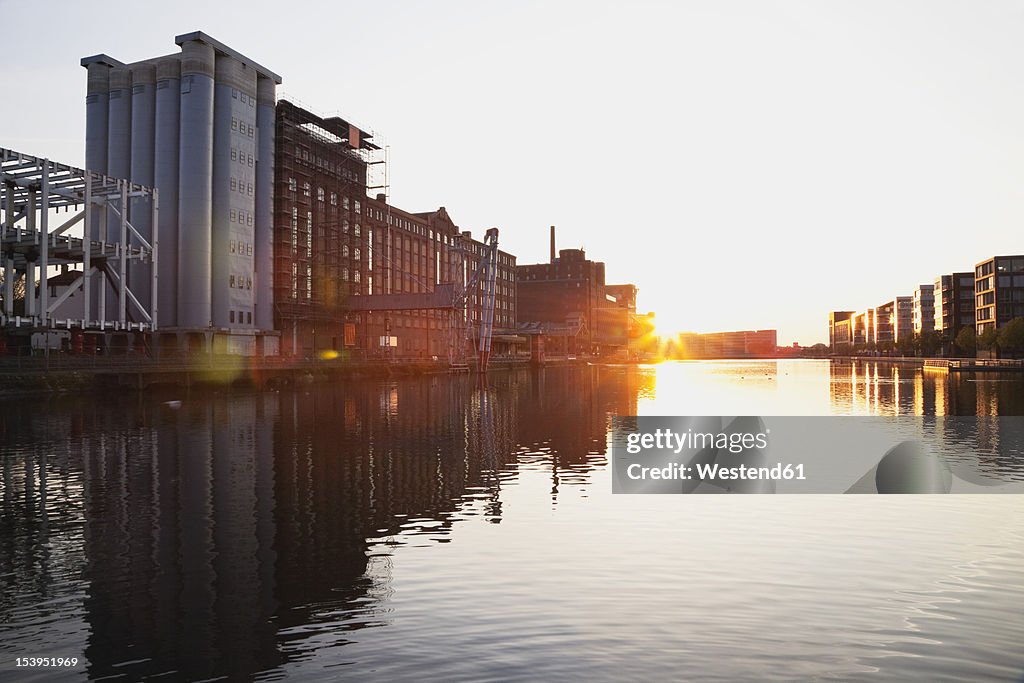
column 1011, row 336
column 19, row 294
column 987, row 339
column 966, row 341
column 928, row 343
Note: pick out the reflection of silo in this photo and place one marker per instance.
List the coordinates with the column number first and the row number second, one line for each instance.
column 264, row 232
column 143, row 106
column 165, row 178
column 195, row 191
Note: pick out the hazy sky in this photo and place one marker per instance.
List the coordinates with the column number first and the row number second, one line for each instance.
column 746, row 164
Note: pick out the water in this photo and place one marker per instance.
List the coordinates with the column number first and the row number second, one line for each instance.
column 431, row 529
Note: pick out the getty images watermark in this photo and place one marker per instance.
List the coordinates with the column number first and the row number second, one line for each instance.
column 817, row 455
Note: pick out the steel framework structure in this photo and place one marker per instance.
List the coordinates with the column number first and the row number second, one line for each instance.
column 34, row 192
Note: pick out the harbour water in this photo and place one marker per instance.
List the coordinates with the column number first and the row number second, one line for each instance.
column 434, row 528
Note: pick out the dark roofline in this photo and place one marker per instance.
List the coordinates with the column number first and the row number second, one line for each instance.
column 334, row 125
column 101, row 59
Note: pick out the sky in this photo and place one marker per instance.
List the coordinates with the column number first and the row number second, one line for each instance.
column 747, row 165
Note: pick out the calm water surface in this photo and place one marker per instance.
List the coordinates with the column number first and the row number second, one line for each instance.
column 433, row 529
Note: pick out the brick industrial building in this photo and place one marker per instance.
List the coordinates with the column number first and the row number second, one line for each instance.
column 568, row 302
column 342, row 257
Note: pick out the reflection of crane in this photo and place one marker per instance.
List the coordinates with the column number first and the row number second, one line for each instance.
column 485, row 273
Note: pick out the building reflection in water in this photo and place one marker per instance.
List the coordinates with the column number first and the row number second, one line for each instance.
column 238, row 531
column 879, row 388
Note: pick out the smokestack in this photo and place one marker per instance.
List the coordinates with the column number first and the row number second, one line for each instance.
column 552, row 244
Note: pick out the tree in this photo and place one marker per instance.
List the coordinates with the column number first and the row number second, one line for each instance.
column 1011, row 336
column 19, row 293
column 928, row 343
column 966, row 341
column 987, row 339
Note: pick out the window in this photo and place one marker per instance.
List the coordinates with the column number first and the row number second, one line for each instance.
column 232, row 246
column 248, row 317
column 344, row 203
column 344, row 226
column 355, row 276
column 231, row 316
column 357, row 231
column 320, row 194
column 292, row 184
column 231, row 282
column 358, row 206
column 355, row 254
column 334, row 199
column 344, row 250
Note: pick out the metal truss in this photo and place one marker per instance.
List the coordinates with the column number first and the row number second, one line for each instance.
column 33, row 241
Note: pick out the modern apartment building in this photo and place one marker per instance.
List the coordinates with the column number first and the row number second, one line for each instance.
column 923, row 309
column 954, row 303
column 998, row 292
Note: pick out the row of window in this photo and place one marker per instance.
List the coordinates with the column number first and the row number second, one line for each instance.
column 241, row 217
column 242, row 187
column 243, row 128
column 239, row 95
column 243, row 317
column 242, row 157
column 303, row 154
column 240, row 247
column 240, row 281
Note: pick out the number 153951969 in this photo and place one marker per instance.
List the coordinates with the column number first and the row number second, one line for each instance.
column 36, row 662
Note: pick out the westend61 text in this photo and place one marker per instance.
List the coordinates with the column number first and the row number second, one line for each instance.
column 715, row 472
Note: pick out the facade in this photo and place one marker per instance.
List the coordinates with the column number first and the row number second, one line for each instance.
column 568, row 299
column 739, row 344
column 923, row 309
column 903, row 319
column 199, row 126
column 339, row 252
column 884, row 319
column 954, row 305
column 835, row 320
column 863, row 327
column 998, row 292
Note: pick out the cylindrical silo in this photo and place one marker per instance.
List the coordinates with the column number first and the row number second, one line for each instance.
column 96, row 104
column 234, row 128
column 264, row 233
column 194, row 184
column 165, row 179
column 143, row 131
column 96, row 120
column 119, row 123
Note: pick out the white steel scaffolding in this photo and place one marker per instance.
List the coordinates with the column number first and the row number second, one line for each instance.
column 113, row 255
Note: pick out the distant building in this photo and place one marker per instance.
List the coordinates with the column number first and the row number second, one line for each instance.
column 568, row 298
column 739, row 344
column 954, row 305
column 923, row 309
column 839, row 331
column 863, row 327
column 903, row 321
column 998, row 291
column 884, row 323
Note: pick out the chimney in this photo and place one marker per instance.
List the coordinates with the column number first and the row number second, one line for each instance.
column 552, row 244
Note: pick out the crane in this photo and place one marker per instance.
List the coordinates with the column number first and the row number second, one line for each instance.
column 484, row 276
